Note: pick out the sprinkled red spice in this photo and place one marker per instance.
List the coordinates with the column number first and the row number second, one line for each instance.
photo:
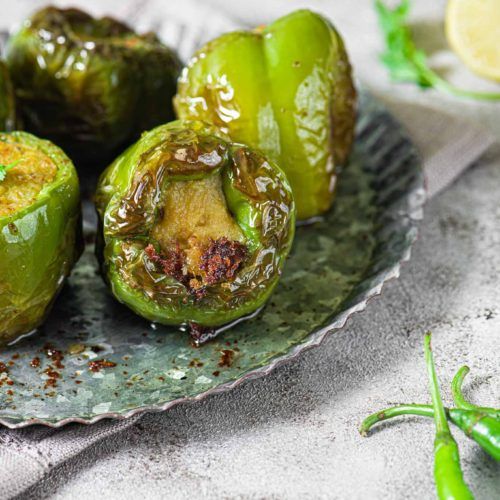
column 95, row 366
column 3, row 368
column 53, row 377
column 54, row 355
column 35, row 362
column 226, row 359
column 51, row 373
column 51, row 382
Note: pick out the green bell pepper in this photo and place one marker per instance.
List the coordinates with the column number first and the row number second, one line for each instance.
column 7, row 103
column 285, row 89
column 40, row 229
column 90, row 85
column 194, row 229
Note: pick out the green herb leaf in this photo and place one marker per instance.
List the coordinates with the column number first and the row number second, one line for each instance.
column 5, row 168
column 406, row 63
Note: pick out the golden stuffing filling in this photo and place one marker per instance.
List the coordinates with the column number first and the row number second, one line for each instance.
column 23, row 182
column 199, row 239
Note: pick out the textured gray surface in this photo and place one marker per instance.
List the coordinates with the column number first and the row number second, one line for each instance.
column 293, row 434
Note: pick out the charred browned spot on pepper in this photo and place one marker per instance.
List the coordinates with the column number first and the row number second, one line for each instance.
column 219, row 262
column 171, row 263
column 222, row 259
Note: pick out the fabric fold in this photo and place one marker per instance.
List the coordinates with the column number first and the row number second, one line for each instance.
column 447, row 144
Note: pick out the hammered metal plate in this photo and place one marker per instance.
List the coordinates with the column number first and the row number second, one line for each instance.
column 336, row 266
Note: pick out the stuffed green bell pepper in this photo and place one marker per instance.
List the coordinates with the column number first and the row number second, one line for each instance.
column 7, row 102
column 194, row 229
column 40, row 229
column 285, row 89
column 90, row 85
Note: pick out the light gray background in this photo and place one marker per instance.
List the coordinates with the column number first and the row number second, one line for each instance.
column 293, row 434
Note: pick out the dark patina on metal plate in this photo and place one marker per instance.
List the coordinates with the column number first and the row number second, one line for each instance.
column 336, row 266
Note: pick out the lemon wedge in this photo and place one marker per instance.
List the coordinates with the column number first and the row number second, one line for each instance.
column 473, row 31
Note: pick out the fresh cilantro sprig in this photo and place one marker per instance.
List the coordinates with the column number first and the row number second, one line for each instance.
column 407, row 63
column 5, row 168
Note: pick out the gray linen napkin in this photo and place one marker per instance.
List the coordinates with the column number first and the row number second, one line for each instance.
column 27, row 455
column 447, row 146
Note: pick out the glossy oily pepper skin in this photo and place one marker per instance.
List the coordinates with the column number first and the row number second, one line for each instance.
column 7, row 102
column 285, row 89
column 90, row 85
column 40, row 230
column 193, row 228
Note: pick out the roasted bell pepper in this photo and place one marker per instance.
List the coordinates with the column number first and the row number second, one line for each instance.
column 90, row 85
column 7, row 103
column 285, row 89
column 194, row 229
column 40, row 229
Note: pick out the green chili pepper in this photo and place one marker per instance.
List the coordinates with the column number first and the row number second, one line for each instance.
column 448, row 475
column 194, row 228
column 90, row 85
column 7, row 103
column 483, row 429
column 285, row 89
column 40, row 230
column 461, row 402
